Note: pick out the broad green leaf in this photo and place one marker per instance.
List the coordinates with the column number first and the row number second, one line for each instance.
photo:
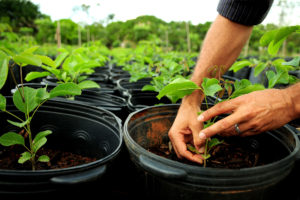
column 148, row 88
column 38, row 144
column 60, row 58
column 210, row 86
column 4, row 61
column 283, row 32
column 19, row 124
column 7, row 51
column 178, row 89
column 25, row 156
column 55, row 72
column 246, row 90
column 30, row 99
column 34, row 75
column 27, row 59
column 259, row 68
column 267, row 37
column 43, row 158
column 41, row 94
column 240, row 65
column 82, row 66
column 295, row 62
column 41, row 135
column 11, row 138
column 47, row 61
column 274, row 47
column 88, row 84
column 277, row 78
column 240, row 84
column 2, row 103
column 31, row 50
column 65, row 89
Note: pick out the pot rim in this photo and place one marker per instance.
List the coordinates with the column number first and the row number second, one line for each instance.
column 82, row 167
column 197, row 169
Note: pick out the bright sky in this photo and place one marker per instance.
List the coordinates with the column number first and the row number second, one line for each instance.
column 195, row 11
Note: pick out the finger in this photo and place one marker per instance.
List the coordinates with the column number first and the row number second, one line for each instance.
column 196, row 128
column 220, row 108
column 220, row 126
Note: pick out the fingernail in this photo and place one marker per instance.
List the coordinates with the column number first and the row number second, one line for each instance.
column 202, row 136
column 200, row 118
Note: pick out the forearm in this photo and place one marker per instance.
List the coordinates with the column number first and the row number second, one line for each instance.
column 293, row 95
column 221, row 47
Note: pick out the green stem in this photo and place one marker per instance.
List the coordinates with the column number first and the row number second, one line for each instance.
column 205, row 152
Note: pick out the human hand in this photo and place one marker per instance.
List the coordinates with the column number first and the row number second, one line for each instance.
column 185, row 129
column 254, row 113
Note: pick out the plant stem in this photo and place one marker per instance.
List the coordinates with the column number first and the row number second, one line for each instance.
column 205, row 152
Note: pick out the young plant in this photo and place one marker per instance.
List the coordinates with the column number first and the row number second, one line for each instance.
column 68, row 68
column 28, row 100
column 210, row 87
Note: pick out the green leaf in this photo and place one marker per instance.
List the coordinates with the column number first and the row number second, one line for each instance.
column 27, row 59
column 283, row 32
column 148, row 88
column 41, row 135
column 65, row 89
column 295, row 62
column 267, row 37
column 19, row 124
column 273, row 47
column 192, row 149
column 43, row 158
column 38, row 144
column 7, row 51
column 246, row 90
column 259, row 68
column 4, row 61
column 11, row 138
column 30, row 99
column 178, row 89
column 2, row 103
column 34, row 75
column 31, row 50
column 47, row 61
column 214, row 142
column 42, row 95
column 210, row 86
column 25, row 156
column 88, row 84
column 240, row 65
column 207, row 156
column 60, row 58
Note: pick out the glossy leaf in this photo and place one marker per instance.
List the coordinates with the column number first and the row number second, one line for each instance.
column 34, row 75
column 65, row 89
column 38, row 144
column 29, row 96
column 4, row 61
column 42, row 95
column 88, row 84
column 295, row 62
column 211, row 86
column 259, row 68
column 27, row 59
column 47, row 61
column 43, row 158
column 2, row 103
column 240, row 65
column 25, row 156
column 11, row 138
column 19, row 124
column 41, row 135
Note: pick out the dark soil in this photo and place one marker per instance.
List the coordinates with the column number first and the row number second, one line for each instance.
column 58, row 159
column 233, row 153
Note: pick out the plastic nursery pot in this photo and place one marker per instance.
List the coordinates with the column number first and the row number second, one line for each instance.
column 76, row 128
column 139, row 100
column 126, row 87
column 114, row 77
column 168, row 178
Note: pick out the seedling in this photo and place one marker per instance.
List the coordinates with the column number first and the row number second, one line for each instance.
column 28, row 100
column 210, row 87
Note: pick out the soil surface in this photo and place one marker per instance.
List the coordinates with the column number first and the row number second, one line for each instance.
column 58, row 159
column 231, row 154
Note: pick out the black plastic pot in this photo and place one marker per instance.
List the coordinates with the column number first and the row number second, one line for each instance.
column 127, row 88
column 139, row 100
column 170, row 179
column 76, row 128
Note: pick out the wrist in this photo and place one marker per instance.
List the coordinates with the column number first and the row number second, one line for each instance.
column 293, row 97
column 195, row 98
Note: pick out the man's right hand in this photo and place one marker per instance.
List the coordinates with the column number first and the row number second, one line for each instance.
column 186, row 129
